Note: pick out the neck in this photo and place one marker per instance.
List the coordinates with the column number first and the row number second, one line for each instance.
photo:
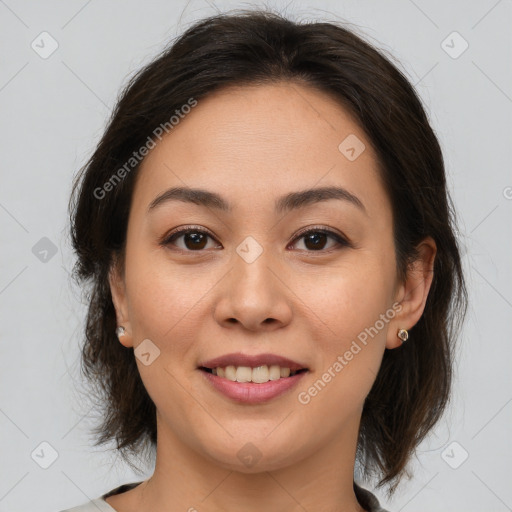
column 186, row 480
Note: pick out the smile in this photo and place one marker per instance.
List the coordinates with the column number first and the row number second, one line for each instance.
column 248, row 391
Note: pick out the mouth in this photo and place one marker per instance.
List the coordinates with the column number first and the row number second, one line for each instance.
column 257, row 375
column 252, row 386
column 258, row 369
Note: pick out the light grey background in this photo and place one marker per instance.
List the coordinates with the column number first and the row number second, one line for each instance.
column 53, row 111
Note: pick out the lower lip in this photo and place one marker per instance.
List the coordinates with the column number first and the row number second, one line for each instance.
column 250, row 392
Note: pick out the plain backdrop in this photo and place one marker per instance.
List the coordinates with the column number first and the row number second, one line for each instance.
column 54, row 107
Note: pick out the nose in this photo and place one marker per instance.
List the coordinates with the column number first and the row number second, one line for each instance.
column 254, row 295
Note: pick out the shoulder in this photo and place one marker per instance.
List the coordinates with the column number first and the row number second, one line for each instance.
column 97, row 505
column 367, row 500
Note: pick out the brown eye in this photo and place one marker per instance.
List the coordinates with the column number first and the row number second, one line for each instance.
column 316, row 239
column 193, row 239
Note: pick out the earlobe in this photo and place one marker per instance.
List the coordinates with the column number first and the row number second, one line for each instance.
column 413, row 294
column 118, row 293
column 123, row 336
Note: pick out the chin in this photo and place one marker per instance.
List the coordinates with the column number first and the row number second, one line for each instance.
column 247, row 456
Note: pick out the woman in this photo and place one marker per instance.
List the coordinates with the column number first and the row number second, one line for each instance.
column 276, row 287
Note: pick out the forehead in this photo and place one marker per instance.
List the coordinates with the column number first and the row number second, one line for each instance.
column 254, row 143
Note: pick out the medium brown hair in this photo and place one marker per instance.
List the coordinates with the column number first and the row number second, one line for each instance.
column 412, row 388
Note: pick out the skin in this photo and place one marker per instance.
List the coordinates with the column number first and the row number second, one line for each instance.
column 252, row 145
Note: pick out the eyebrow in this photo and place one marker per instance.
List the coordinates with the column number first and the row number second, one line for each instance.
column 286, row 203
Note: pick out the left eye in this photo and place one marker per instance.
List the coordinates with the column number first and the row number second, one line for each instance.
column 196, row 239
column 315, row 238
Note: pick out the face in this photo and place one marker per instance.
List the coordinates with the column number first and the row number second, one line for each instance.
column 313, row 280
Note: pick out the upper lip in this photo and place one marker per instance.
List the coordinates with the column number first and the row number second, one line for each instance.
column 240, row 359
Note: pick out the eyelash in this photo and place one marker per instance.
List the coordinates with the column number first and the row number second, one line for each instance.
column 342, row 242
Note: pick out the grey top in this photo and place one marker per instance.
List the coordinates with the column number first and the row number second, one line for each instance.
column 366, row 499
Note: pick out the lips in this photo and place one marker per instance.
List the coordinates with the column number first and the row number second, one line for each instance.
column 252, row 361
column 250, row 393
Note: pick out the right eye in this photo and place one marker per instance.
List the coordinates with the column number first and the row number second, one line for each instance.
column 194, row 239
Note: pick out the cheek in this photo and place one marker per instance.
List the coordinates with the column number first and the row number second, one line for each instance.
column 354, row 310
column 349, row 351
column 163, row 308
column 351, row 297
column 162, row 296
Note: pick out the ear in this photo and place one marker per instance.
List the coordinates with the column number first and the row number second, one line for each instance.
column 118, row 292
column 412, row 294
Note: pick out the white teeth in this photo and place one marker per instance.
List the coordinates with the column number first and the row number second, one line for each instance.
column 259, row 374
column 243, row 374
column 230, row 373
column 274, row 372
column 285, row 372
